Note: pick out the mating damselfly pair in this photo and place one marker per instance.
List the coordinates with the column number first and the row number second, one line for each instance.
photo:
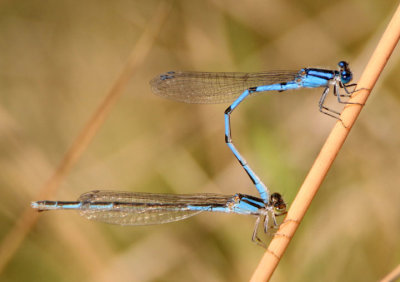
column 129, row 208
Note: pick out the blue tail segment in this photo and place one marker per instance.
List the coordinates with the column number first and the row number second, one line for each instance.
column 214, row 87
column 129, row 208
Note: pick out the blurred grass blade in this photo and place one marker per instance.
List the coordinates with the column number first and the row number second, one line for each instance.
column 28, row 218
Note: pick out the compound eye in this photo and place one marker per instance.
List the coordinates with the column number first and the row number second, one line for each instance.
column 345, row 77
column 277, row 202
column 342, row 64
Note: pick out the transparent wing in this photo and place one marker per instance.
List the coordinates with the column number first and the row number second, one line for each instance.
column 126, row 208
column 213, row 87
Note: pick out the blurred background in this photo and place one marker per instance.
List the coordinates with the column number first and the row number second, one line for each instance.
column 59, row 60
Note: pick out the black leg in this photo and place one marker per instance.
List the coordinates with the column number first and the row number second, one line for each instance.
column 348, row 93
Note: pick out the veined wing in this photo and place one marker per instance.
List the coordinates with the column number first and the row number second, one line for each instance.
column 126, row 208
column 213, row 87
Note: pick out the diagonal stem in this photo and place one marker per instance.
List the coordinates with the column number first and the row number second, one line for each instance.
column 328, row 153
column 393, row 275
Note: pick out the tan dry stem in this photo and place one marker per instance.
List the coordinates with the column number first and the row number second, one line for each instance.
column 328, row 153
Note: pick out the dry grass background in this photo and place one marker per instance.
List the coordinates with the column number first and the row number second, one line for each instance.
column 59, row 59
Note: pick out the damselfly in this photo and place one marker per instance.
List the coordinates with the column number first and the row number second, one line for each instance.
column 214, row 87
column 128, row 208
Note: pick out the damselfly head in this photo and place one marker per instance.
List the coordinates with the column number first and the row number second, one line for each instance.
column 277, row 202
column 345, row 73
